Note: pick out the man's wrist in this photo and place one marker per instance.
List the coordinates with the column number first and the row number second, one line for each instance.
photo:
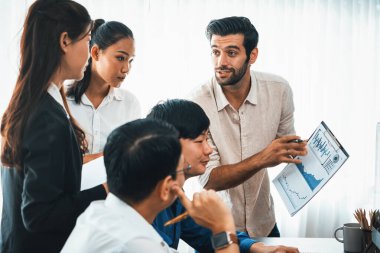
column 224, row 225
column 257, row 247
column 257, row 162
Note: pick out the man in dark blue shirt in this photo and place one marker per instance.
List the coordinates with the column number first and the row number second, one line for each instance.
column 192, row 124
column 196, row 236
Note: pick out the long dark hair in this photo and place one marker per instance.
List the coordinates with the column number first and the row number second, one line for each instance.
column 40, row 57
column 103, row 34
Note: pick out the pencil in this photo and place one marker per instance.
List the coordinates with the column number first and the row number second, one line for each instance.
column 177, row 219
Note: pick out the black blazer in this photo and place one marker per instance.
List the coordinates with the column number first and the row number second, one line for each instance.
column 42, row 201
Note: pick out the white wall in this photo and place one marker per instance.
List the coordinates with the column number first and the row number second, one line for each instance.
column 327, row 50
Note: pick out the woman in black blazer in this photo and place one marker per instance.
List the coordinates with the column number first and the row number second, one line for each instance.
column 42, row 146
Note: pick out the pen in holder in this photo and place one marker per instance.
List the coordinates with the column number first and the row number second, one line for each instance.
column 367, row 241
column 370, row 235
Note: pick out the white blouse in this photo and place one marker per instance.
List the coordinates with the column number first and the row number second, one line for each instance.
column 118, row 107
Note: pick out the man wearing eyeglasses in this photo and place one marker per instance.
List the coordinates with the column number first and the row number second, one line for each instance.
column 192, row 124
column 144, row 168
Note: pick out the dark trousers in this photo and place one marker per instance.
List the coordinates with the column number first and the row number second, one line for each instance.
column 275, row 232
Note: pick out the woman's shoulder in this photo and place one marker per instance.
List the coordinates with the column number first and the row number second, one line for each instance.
column 47, row 114
column 129, row 103
column 126, row 95
column 47, row 105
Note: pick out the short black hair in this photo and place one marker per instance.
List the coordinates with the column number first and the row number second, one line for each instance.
column 235, row 25
column 138, row 155
column 187, row 116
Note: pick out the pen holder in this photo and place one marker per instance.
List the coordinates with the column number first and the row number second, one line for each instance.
column 376, row 240
column 366, row 239
column 369, row 241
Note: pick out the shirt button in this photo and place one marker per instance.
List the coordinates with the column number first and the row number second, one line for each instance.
column 162, row 244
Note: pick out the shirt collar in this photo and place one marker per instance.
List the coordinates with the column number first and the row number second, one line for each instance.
column 252, row 95
column 53, row 90
column 113, row 94
column 221, row 100
column 117, row 205
column 115, row 202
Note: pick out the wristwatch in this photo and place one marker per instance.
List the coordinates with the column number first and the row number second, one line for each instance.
column 223, row 240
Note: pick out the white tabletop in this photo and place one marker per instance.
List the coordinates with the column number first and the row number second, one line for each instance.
column 306, row 245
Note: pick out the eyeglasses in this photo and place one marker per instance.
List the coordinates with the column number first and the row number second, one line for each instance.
column 184, row 170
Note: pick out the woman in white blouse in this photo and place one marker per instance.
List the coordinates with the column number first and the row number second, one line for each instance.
column 97, row 102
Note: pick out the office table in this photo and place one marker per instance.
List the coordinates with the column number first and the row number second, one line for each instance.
column 306, row 245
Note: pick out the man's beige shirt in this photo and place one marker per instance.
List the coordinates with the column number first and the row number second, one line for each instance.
column 266, row 114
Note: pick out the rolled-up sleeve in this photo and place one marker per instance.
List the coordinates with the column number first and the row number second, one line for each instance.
column 245, row 242
column 286, row 126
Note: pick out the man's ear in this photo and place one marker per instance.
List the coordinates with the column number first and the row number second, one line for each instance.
column 64, row 41
column 253, row 55
column 165, row 189
column 95, row 52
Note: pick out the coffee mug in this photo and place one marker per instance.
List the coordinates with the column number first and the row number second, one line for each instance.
column 352, row 237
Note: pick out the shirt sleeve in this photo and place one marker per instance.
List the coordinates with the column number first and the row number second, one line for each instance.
column 139, row 245
column 49, row 199
column 133, row 106
column 87, row 239
column 286, row 126
column 245, row 242
column 196, row 236
column 137, row 109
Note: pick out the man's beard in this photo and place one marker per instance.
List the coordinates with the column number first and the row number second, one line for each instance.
column 236, row 75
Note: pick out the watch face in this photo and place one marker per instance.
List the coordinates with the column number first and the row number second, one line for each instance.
column 220, row 240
